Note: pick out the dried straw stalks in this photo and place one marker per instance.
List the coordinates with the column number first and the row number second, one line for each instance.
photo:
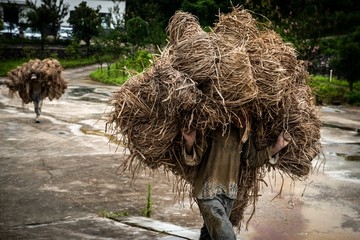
column 48, row 72
column 208, row 80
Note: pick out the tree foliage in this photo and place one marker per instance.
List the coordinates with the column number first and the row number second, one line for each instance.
column 47, row 17
column 205, row 10
column 109, row 45
column 86, row 22
column 312, row 24
column 57, row 12
column 137, row 31
column 156, row 13
column 305, row 23
column 347, row 62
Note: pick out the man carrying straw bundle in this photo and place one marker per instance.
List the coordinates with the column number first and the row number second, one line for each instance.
column 242, row 96
column 36, row 80
column 216, row 184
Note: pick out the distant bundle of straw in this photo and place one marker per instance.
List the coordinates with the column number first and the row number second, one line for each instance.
column 48, row 72
column 206, row 80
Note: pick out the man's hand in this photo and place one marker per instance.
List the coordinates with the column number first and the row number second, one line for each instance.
column 282, row 141
column 189, row 136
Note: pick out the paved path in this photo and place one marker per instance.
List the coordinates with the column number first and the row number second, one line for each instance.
column 58, row 178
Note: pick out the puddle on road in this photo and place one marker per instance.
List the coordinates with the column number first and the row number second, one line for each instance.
column 88, row 94
column 342, row 128
column 342, row 152
column 78, row 92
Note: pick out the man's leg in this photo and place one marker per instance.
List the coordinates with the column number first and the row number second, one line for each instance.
column 216, row 214
column 37, row 108
column 204, row 233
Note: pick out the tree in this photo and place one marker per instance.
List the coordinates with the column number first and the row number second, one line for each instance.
column 205, row 10
column 86, row 22
column 109, row 45
column 346, row 62
column 57, row 12
column 137, row 31
column 46, row 18
column 156, row 13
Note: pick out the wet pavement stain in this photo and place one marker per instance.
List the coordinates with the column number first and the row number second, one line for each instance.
column 110, row 137
column 342, row 128
column 352, row 158
column 353, row 224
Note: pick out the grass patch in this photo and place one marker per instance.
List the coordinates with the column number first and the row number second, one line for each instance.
column 113, row 75
column 335, row 91
column 147, row 211
column 73, row 63
column 7, row 65
column 123, row 68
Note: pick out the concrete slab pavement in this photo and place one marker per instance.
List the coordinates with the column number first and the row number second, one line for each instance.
column 57, row 177
column 95, row 227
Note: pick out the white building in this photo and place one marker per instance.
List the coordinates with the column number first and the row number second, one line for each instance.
column 6, row 13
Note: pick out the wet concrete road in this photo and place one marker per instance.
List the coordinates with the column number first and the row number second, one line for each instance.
column 58, row 177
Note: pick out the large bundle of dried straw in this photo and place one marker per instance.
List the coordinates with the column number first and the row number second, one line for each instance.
column 207, row 80
column 48, row 72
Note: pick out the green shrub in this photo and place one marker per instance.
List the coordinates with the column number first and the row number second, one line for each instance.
column 78, row 62
column 6, row 66
column 147, row 211
column 334, row 92
column 124, row 68
column 353, row 98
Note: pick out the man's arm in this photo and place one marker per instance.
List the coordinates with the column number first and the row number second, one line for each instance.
column 259, row 158
column 192, row 152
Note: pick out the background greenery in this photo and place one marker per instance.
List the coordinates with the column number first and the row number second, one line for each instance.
column 325, row 33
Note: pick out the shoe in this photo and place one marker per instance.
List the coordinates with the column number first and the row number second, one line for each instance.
column 37, row 118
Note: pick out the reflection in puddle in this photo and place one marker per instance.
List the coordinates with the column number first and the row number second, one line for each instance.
column 342, row 152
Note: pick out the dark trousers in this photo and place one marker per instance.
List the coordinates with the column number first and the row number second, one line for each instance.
column 216, row 213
